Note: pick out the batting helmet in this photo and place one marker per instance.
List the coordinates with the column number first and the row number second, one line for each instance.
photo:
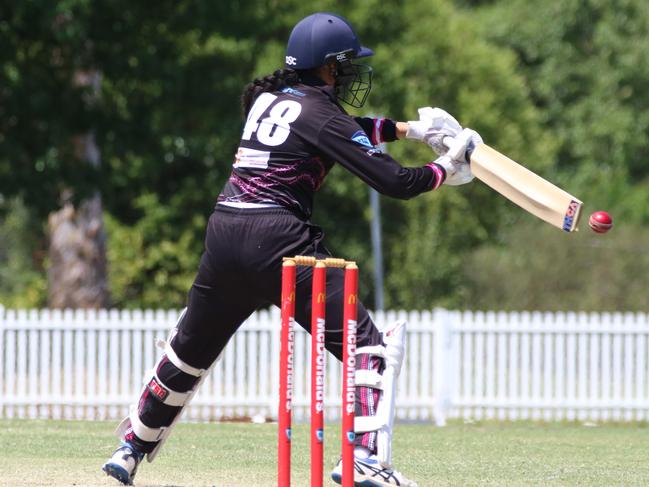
column 319, row 37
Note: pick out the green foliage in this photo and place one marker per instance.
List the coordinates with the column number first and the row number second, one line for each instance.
column 166, row 110
column 440, row 60
column 559, row 85
column 151, row 264
column 22, row 283
column 167, row 121
column 537, row 267
column 587, row 65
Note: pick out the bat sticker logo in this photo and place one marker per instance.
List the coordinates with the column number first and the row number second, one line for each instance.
column 569, row 217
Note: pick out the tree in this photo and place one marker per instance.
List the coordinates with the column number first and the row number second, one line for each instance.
column 166, row 123
column 438, row 58
column 559, row 86
column 152, row 123
column 587, row 65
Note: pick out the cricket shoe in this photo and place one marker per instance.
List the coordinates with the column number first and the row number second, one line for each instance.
column 123, row 464
column 368, row 472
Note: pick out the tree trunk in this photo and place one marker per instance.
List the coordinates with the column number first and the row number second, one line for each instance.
column 77, row 275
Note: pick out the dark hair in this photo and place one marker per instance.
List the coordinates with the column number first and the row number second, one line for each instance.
column 269, row 83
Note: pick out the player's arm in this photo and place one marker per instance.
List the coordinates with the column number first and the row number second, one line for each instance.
column 399, row 132
column 380, row 130
column 340, row 139
column 402, row 129
column 433, row 125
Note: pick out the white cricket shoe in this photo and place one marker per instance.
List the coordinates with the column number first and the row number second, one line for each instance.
column 368, row 472
column 123, row 464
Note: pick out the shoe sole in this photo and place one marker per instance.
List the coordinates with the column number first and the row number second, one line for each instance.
column 117, row 472
column 364, row 483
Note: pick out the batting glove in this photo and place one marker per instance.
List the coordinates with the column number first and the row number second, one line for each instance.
column 457, row 173
column 433, row 126
column 456, row 160
column 461, row 146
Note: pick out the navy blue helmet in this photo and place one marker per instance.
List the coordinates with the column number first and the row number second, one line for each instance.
column 324, row 37
column 319, row 37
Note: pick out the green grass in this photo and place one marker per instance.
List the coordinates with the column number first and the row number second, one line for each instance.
column 53, row 453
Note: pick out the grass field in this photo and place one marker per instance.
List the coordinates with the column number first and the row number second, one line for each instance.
column 70, row 453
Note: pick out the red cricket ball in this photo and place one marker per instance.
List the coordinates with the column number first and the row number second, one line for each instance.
column 600, row 222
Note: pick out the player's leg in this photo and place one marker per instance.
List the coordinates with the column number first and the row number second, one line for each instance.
column 377, row 372
column 213, row 314
column 378, row 362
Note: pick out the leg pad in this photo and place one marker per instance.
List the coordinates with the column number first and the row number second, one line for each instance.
column 382, row 422
column 160, row 404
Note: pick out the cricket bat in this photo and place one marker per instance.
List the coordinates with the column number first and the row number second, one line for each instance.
column 525, row 188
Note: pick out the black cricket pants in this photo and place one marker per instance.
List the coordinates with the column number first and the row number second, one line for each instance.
column 240, row 271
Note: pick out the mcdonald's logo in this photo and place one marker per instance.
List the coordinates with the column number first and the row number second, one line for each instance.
column 291, row 297
column 351, row 299
column 321, row 297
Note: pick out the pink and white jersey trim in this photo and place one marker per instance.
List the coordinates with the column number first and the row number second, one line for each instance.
column 377, row 133
column 440, row 176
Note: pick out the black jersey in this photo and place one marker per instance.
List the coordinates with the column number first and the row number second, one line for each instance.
column 293, row 137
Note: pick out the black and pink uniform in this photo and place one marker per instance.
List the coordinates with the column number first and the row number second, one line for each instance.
column 288, row 148
column 290, row 141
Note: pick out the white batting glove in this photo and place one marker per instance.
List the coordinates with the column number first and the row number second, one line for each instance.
column 456, row 160
column 433, row 126
column 457, row 173
column 461, row 146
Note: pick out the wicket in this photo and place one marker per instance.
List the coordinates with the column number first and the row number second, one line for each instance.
column 317, row 367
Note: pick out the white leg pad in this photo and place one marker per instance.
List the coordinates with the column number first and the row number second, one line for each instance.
column 394, row 338
column 151, row 456
column 166, row 395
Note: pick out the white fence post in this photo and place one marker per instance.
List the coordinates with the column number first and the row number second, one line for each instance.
column 443, row 362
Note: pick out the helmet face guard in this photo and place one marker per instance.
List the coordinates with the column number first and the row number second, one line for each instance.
column 325, row 37
column 353, row 81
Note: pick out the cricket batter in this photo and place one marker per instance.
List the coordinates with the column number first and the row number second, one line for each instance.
column 295, row 131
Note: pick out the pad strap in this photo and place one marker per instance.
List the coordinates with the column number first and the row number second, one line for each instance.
column 368, row 378
column 174, row 359
column 365, row 424
column 142, row 430
column 375, row 350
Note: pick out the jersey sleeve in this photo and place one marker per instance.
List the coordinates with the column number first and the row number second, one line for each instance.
column 378, row 130
column 343, row 140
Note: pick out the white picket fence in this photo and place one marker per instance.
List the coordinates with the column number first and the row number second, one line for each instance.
column 549, row 366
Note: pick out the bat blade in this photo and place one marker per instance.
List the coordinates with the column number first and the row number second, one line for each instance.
column 525, row 188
